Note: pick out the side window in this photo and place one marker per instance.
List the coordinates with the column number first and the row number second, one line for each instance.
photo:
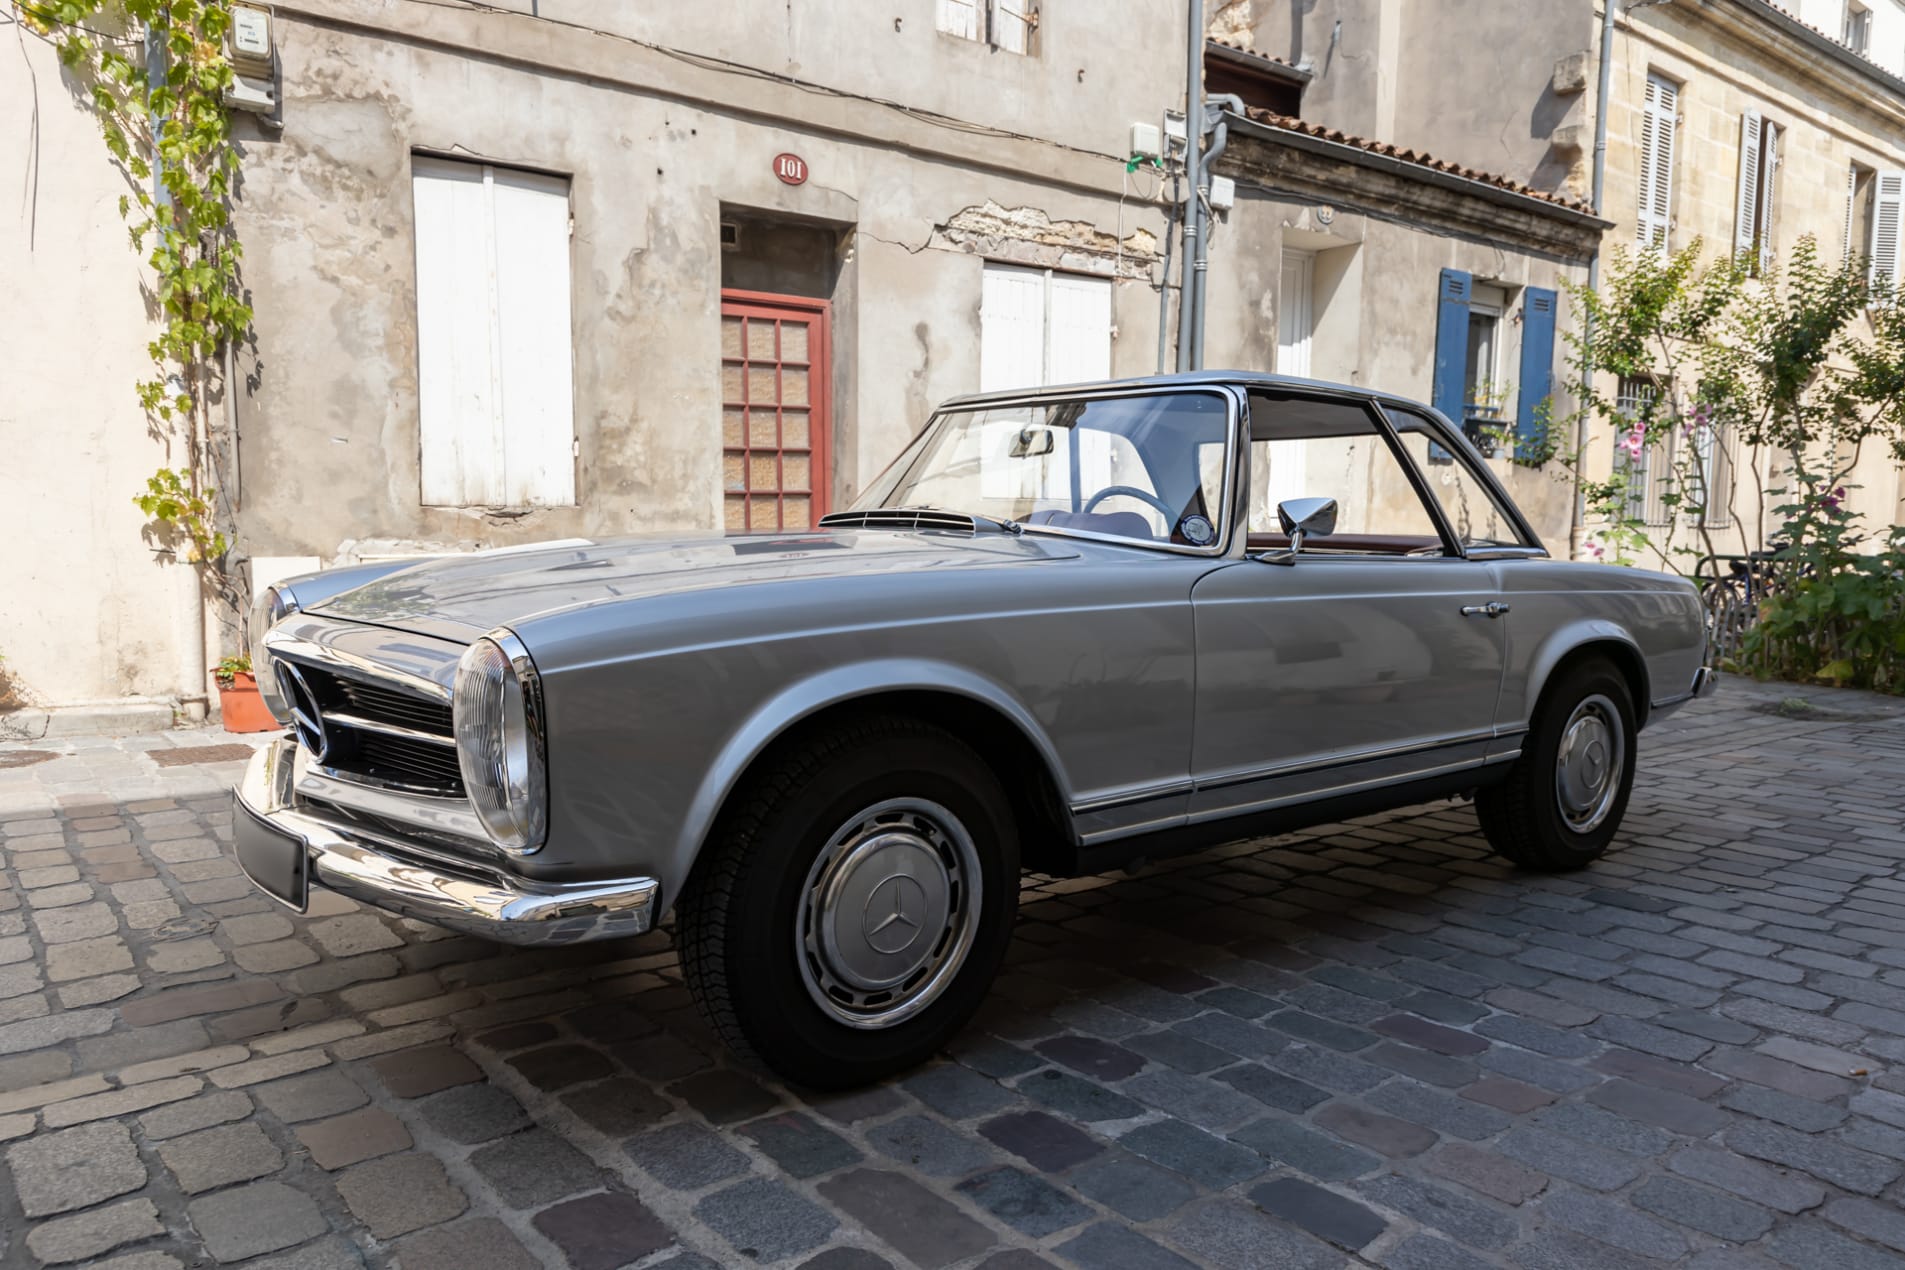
column 1305, row 447
column 1477, row 518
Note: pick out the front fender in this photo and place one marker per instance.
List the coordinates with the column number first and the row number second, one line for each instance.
column 841, row 684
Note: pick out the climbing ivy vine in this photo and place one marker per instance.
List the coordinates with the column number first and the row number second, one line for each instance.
column 155, row 73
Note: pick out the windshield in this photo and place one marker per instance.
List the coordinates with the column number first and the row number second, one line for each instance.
column 1148, row 468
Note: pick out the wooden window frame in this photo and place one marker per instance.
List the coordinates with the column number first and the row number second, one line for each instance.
column 770, row 306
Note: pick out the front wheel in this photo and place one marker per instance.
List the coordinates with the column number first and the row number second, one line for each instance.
column 1564, row 797
column 855, row 904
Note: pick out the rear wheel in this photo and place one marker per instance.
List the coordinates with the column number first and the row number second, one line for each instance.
column 855, row 905
column 1564, row 797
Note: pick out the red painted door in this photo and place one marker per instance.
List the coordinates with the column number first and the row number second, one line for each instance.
column 775, row 412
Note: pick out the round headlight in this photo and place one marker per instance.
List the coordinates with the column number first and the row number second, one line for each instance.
column 499, row 743
column 271, row 606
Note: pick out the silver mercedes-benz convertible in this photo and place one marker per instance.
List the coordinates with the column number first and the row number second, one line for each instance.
column 1066, row 630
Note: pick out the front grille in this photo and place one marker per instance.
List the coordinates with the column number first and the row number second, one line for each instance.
column 382, row 732
column 389, row 705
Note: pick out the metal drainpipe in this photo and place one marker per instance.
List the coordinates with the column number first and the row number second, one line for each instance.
column 1220, row 137
column 1193, row 169
column 1577, row 531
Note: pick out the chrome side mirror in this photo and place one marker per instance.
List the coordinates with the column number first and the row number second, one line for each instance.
column 1300, row 518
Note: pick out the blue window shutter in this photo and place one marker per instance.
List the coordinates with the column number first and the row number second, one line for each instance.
column 1451, row 352
column 1451, row 345
column 1537, row 363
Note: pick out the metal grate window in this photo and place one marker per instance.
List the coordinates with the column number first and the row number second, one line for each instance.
column 1655, row 472
column 774, row 412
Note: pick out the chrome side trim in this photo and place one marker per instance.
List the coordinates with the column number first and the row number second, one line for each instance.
column 1245, row 777
column 1129, row 796
column 1346, row 787
column 486, row 903
column 290, row 646
column 362, row 724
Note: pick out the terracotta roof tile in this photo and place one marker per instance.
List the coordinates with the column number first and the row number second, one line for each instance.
column 1261, row 56
column 1417, row 157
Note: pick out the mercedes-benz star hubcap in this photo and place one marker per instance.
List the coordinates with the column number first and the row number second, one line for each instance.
column 888, row 913
column 1588, row 769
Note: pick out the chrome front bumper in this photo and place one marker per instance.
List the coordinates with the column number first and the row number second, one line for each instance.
column 476, row 901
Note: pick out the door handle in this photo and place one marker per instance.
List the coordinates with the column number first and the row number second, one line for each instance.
column 1484, row 610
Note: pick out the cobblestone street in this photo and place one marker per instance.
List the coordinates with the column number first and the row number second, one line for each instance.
column 1367, row 1045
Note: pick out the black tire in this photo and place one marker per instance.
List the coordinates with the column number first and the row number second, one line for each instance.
column 1523, row 816
column 741, row 914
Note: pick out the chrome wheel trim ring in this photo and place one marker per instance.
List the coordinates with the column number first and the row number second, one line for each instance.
column 888, row 913
column 1590, row 763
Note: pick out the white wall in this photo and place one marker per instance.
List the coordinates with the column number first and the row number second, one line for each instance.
column 86, row 611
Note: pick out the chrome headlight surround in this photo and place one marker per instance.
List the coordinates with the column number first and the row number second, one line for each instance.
column 498, row 722
column 268, row 608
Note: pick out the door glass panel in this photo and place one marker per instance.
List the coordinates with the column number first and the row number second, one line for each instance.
column 1306, row 447
column 1476, row 516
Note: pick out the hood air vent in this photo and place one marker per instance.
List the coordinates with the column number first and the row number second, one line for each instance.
column 903, row 518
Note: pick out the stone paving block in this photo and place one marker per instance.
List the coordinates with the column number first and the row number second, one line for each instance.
column 1610, row 1222
column 310, row 1096
column 800, row 1147
column 1075, row 1098
column 1585, row 1122
column 929, row 1146
column 1721, row 1216
column 397, row 1194
column 1568, row 1158
column 1131, row 1188
column 956, row 1092
column 924, row 1228
column 603, row 1231
column 1026, row 1203
column 685, row 1156
column 1272, row 1088
column 1487, row 1173
column 1843, row 1166
column 534, row 1167
column 1810, row 1247
column 90, row 1234
column 1786, row 1192
column 217, row 1157
column 474, row 1113
column 1209, row 1161
column 220, row 1107
column 353, row 1138
column 259, row 1070
column 183, row 1003
column 248, row 1220
column 479, row 1241
column 618, row 1107
column 1049, row 1143
column 1385, row 1134
column 1091, row 1057
column 1324, row 1213
column 559, row 1066
column 412, row 1073
column 119, row 1102
column 1282, row 1141
column 1233, row 1235
column 724, row 1097
column 84, row 958
column 74, row 1168
column 1109, row 1246
column 272, row 958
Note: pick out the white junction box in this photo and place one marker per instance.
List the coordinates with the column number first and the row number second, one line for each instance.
column 1223, row 193
column 254, row 84
column 1145, row 141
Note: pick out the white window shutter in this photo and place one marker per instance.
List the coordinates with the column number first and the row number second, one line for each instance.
column 1888, row 225
column 1851, row 199
column 1011, row 328
column 1659, row 124
column 1768, row 192
column 959, row 17
column 458, row 379
column 533, row 338
column 494, row 374
column 1012, row 24
column 1747, row 206
column 1079, row 330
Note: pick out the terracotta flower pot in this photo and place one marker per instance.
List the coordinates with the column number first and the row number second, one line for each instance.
column 241, row 708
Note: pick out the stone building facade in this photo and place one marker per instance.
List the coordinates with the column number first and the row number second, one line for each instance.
column 534, row 270
column 1749, row 126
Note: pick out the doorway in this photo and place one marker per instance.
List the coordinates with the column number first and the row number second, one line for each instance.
column 775, row 411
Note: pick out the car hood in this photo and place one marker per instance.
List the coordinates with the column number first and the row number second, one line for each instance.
column 461, row 597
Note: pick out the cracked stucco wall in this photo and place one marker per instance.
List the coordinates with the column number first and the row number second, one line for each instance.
column 88, row 612
column 329, row 436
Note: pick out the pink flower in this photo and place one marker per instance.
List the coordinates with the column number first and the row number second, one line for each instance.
column 1635, row 441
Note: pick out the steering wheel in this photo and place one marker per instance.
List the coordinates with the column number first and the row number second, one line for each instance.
column 1132, row 491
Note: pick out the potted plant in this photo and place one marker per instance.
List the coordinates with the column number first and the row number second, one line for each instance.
column 240, row 707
